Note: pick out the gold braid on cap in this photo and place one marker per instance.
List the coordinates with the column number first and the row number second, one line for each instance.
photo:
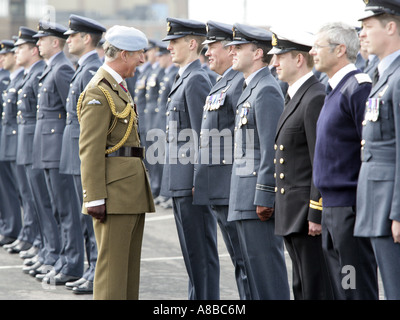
column 117, row 115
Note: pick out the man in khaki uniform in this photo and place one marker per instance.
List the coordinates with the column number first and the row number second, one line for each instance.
column 116, row 190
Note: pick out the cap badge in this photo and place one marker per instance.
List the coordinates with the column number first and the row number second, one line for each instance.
column 169, row 26
column 274, row 40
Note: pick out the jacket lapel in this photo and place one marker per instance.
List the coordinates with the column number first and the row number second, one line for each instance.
column 294, row 102
column 224, row 82
column 385, row 76
column 193, row 66
column 115, row 86
column 253, row 83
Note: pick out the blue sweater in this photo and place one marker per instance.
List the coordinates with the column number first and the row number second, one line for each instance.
column 337, row 150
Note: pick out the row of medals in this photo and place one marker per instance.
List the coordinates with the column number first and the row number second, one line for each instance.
column 214, row 102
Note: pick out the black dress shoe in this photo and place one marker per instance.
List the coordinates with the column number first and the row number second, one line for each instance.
column 72, row 284
column 6, row 240
column 43, row 271
column 31, row 261
column 30, row 253
column 59, row 279
column 85, row 288
column 28, row 269
column 21, row 246
column 12, row 244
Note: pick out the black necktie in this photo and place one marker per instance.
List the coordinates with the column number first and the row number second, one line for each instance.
column 376, row 77
column 328, row 89
column 177, row 77
column 244, row 85
column 287, row 98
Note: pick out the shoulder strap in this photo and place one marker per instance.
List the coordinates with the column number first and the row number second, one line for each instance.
column 117, row 115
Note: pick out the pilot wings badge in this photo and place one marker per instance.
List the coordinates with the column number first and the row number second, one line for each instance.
column 94, row 101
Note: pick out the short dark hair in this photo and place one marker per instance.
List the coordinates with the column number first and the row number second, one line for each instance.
column 96, row 37
column 265, row 48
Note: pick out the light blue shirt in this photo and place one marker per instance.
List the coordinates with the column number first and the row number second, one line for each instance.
column 387, row 61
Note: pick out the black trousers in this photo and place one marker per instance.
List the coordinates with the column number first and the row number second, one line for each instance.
column 309, row 270
column 351, row 261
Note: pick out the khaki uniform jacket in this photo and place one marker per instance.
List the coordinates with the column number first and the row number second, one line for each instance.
column 121, row 181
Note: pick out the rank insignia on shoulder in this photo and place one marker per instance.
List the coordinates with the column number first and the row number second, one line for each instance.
column 363, row 78
column 94, row 101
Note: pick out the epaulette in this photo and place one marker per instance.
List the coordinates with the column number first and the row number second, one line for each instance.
column 363, row 78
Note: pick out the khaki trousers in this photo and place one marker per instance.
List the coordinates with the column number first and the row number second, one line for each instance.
column 119, row 244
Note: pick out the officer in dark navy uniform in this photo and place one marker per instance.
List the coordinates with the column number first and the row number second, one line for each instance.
column 45, row 252
column 197, row 227
column 84, row 35
column 337, row 162
column 10, row 209
column 51, row 117
column 252, row 193
column 378, row 205
column 297, row 201
column 213, row 168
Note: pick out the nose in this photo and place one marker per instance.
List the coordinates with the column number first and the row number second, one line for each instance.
column 362, row 33
column 232, row 51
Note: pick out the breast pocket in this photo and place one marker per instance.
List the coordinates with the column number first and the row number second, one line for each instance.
column 10, row 142
column 177, row 113
column 52, row 134
column 46, row 95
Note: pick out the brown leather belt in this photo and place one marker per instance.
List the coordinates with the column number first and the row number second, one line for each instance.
column 137, row 152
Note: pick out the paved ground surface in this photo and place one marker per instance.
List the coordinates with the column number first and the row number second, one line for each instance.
column 163, row 275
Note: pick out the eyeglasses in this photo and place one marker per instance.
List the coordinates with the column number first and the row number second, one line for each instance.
column 317, row 47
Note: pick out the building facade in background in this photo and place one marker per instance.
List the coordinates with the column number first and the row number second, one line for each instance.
column 146, row 15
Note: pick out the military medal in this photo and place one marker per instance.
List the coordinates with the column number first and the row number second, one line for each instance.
column 245, row 112
column 372, row 113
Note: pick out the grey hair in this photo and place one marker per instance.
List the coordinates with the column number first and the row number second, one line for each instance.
column 110, row 51
column 341, row 33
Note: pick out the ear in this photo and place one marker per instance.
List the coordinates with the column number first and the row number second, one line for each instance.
column 87, row 38
column 193, row 44
column 124, row 56
column 258, row 54
column 299, row 60
column 340, row 50
column 391, row 28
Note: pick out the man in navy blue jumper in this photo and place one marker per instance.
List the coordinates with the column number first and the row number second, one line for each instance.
column 350, row 260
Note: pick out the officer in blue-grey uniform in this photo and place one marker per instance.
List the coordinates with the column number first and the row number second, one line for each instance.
column 8, row 152
column 46, row 249
column 170, row 71
column 10, row 210
column 140, row 89
column 84, row 35
column 151, row 120
column 252, row 193
column 197, row 227
column 51, row 118
column 378, row 206
column 214, row 166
